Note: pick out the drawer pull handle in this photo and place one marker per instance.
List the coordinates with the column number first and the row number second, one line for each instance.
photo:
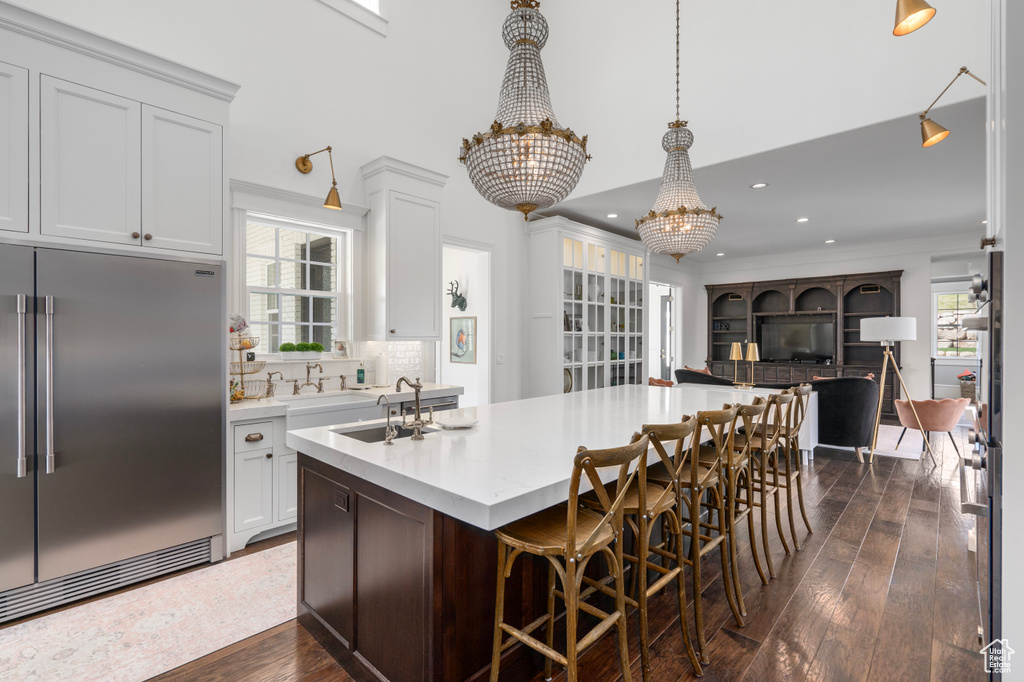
column 254, row 438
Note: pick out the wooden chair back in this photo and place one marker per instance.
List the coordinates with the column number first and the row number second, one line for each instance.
column 721, row 430
column 590, row 462
column 659, row 435
column 799, row 409
column 754, row 418
column 779, row 406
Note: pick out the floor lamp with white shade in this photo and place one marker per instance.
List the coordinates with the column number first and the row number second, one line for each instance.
column 887, row 331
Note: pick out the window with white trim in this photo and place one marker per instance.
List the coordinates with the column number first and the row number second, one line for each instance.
column 296, row 277
column 951, row 338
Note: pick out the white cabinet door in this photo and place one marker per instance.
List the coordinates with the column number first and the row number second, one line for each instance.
column 13, row 148
column 254, row 489
column 90, row 156
column 286, row 478
column 414, row 268
column 182, row 182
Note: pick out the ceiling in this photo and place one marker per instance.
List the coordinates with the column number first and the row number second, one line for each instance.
column 865, row 186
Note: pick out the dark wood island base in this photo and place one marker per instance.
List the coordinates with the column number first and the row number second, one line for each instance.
column 400, row 592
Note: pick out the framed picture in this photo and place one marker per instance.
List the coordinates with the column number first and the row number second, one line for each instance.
column 342, row 349
column 463, row 340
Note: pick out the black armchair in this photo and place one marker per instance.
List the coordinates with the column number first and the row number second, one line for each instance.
column 846, row 410
column 689, row 376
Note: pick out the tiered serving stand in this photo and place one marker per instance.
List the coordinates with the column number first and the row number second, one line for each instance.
column 252, row 389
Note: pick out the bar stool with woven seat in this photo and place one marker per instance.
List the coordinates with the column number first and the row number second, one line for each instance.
column 739, row 478
column 763, row 444
column 568, row 536
column 706, row 479
column 661, row 504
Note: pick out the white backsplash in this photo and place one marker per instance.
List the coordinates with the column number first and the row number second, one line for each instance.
column 405, row 358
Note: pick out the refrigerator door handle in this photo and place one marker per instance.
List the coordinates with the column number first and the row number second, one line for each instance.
column 50, row 457
column 966, row 505
column 22, row 305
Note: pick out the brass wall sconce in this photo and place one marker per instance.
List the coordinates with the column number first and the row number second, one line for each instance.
column 304, row 166
column 911, row 15
column 932, row 132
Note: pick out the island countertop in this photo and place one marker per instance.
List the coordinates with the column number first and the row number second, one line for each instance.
column 518, row 459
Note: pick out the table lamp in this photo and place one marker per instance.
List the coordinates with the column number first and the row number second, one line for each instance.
column 752, row 357
column 736, row 354
column 887, row 331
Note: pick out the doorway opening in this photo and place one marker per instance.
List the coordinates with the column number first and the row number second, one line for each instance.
column 663, row 333
column 466, row 361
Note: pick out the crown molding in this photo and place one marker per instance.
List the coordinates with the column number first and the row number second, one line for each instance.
column 386, row 164
column 42, row 28
column 274, row 201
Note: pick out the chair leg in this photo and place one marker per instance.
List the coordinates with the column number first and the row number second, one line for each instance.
column 800, row 488
column 620, row 605
column 860, row 454
column 684, row 622
column 499, row 613
column 762, row 472
column 731, row 590
column 778, row 503
column 731, row 529
column 572, row 596
column 902, row 433
column 953, row 441
column 750, row 528
column 698, row 606
column 644, row 531
column 788, row 452
column 550, row 627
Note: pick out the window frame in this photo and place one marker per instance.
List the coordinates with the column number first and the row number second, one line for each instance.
column 344, row 278
column 943, row 289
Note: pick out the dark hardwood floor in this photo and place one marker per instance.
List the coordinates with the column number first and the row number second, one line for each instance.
column 882, row 590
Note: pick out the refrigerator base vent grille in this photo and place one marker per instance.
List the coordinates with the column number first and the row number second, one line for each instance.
column 23, row 601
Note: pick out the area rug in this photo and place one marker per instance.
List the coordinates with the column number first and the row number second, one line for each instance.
column 150, row 630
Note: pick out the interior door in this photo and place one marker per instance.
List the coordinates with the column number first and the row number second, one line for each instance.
column 17, row 473
column 665, row 312
column 135, row 413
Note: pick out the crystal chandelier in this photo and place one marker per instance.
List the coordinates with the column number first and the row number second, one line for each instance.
column 679, row 223
column 526, row 160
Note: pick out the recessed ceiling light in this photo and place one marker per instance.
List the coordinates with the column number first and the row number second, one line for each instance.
column 759, row 185
column 613, row 215
column 719, row 254
column 802, row 220
column 984, row 222
column 830, row 241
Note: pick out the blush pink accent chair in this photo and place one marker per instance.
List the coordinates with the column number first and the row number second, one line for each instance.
column 936, row 415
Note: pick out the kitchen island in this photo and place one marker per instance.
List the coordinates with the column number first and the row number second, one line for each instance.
column 397, row 564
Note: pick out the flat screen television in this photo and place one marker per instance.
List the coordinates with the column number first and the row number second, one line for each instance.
column 798, row 341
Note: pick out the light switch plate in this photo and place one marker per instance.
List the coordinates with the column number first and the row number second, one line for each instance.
column 499, row 359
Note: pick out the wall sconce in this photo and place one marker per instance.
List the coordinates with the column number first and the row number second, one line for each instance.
column 304, row 165
column 932, row 132
column 911, row 15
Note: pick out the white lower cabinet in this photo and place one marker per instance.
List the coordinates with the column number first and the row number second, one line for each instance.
column 286, row 474
column 254, row 474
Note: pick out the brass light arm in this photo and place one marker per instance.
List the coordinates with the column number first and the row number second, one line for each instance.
column 304, row 166
column 962, row 71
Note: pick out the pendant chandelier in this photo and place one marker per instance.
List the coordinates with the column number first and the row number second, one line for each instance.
column 679, row 223
column 526, row 160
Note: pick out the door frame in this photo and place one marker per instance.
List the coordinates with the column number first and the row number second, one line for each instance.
column 487, row 249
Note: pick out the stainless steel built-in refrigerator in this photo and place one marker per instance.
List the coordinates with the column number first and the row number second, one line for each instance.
column 111, row 414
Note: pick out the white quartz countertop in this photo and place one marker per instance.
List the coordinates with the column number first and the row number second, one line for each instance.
column 518, row 459
column 272, row 407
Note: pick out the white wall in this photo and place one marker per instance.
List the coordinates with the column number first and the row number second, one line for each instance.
column 914, row 258
column 471, row 269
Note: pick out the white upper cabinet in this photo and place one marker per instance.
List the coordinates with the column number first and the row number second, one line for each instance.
column 90, row 154
column 403, row 259
column 182, row 182
column 13, row 148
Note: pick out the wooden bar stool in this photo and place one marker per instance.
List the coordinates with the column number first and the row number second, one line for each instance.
column 661, row 504
column 763, row 444
column 739, row 478
column 791, row 447
column 706, row 479
column 568, row 536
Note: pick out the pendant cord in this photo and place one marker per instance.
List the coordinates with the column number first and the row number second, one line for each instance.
column 677, row 60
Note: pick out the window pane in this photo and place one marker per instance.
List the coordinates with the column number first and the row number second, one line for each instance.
column 259, row 239
column 323, row 249
column 293, row 275
column 293, row 244
column 324, row 336
column 266, row 344
column 323, row 310
column 947, row 301
column 260, row 306
column 323, row 278
column 294, row 308
column 260, row 272
column 291, row 333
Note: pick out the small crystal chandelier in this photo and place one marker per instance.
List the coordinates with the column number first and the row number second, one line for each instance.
column 526, row 160
column 679, row 223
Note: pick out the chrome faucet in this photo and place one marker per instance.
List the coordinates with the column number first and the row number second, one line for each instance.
column 417, row 423
column 309, row 369
column 271, row 387
column 389, row 431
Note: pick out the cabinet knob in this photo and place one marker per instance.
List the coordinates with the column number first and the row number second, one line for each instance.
column 147, row 236
column 135, row 235
column 270, row 455
column 392, row 331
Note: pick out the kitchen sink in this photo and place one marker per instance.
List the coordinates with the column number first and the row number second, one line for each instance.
column 376, row 434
